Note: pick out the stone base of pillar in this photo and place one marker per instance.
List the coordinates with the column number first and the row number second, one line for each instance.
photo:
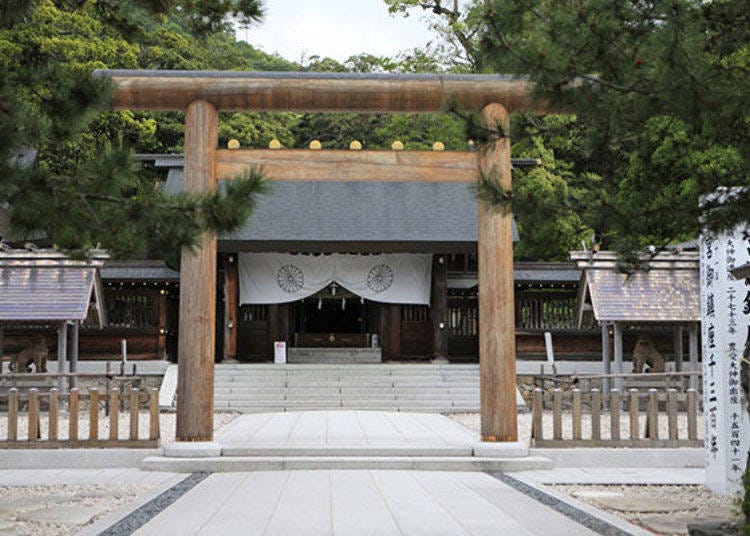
column 192, row 449
column 500, row 449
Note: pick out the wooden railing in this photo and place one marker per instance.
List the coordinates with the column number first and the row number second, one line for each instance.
column 70, row 405
column 595, row 401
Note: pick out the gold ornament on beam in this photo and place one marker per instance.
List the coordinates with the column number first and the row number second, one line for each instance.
column 274, row 144
column 233, row 144
column 397, row 146
column 355, row 146
column 315, row 145
column 438, row 146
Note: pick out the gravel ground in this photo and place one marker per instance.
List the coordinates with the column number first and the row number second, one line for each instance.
column 658, row 509
column 60, row 510
column 166, row 423
column 471, row 421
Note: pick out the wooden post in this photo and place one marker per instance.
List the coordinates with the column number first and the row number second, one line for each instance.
column 394, row 330
column 153, row 412
column 195, row 376
column 596, row 414
column 693, row 353
column 93, row 414
column 114, row 411
column 557, row 414
column 537, row 431
column 634, row 434
column 73, row 415
column 678, row 349
column 161, row 303
column 606, row 357
column 62, row 348
column 692, row 414
column 231, row 298
column 577, row 414
column 33, row 414
column 134, row 406
column 614, row 414
column 75, row 331
column 439, row 305
column 617, row 343
column 13, row 414
column 672, row 413
column 497, row 340
column 53, row 414
column 652, row 415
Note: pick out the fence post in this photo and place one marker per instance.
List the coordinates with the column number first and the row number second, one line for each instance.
column 536, row 415
column 614, row 414
column 53, row 413
column 557, row 414
column 692, row 414
column 114, row 413
column 93, row 414
column 13, row 414
column 672, row 413
column 577, row 414
column 634, row 434
column 596, row 414
column 73, row 410
column 652, row 420
column 33, row 414
column 153, row 408
column 134, row 395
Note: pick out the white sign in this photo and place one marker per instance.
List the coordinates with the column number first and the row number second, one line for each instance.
column 725, row 322
column 279, row 352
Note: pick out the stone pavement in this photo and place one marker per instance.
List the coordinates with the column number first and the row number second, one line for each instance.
column 357, row 503
column 363, row 432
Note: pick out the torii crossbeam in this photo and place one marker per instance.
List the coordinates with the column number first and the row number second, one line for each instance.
column 201, row 95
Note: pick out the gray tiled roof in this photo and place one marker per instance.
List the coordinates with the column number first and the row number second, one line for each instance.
column 359, row 212
column 668, row 292
column 138, row 270
column 45, row 291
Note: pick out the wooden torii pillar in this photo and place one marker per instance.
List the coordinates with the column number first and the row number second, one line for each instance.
column 203, row 94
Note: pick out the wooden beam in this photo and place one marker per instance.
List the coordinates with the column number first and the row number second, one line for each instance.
column 338, row 165
column 195, row 373
column 231, row 299
column 497, row 342
column 317, row 92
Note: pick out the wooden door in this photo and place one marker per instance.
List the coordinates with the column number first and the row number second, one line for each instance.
column 252, row 333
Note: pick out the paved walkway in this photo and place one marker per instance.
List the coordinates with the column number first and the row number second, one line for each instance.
column 358, row 432
column 357, row 503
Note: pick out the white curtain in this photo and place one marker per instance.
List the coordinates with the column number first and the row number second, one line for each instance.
column 283, row 278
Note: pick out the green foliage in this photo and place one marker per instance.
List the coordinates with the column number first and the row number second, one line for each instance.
column 68, row 178
column 660, row 102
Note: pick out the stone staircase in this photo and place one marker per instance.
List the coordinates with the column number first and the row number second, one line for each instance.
column 443, row 388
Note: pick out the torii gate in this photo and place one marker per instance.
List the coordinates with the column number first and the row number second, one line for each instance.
column 202, row 94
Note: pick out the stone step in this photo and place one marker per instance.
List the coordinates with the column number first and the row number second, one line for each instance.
column 299, row 463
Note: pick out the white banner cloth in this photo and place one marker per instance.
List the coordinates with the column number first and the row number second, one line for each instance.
column 283, row 277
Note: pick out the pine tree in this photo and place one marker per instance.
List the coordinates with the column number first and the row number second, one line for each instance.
column 65, row 180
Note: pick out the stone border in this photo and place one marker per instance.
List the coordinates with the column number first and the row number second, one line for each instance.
column 66, row 458
column 693, row 458
column 146, row 512
column 588, row 516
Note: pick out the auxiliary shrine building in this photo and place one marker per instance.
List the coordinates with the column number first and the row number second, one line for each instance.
column 348, row 271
